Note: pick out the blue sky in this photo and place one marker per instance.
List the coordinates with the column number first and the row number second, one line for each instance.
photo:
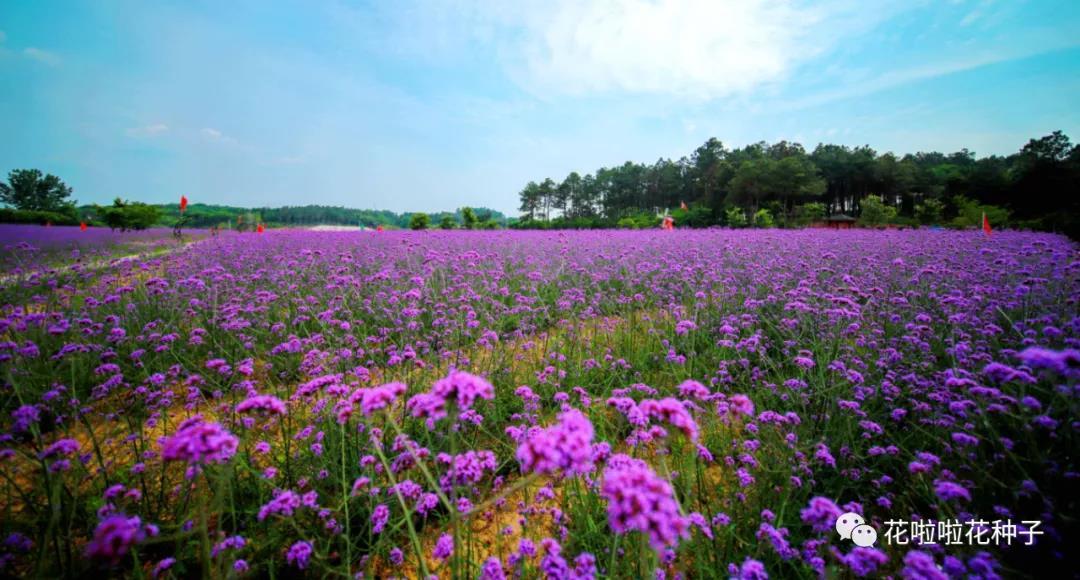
column 411, row 105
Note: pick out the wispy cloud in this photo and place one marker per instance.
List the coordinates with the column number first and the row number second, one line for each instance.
column 861, row 87
column 148, row 130
column 3, row 36
column 216, row 135
column 977, row 14
column 42, row 56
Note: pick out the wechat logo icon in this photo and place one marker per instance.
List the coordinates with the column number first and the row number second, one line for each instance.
column 852, row 526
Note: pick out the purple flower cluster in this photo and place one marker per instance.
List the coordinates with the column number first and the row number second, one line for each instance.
column 671, row 411
column 459, row 388
column 198, row 442
column 262, row 403
column 563, row 447
column 462, row 389
column 299, row 554
column 444, row 547
column 1065, row 362
column 639, row 500
column 60, row 448
column 466, row 468
column 116, row 536
column 821, row 514
column 381, row 397
column 284, row 503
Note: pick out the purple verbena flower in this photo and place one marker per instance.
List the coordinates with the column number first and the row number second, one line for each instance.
column 565, row 446
column 639, row 500
column 197, row 442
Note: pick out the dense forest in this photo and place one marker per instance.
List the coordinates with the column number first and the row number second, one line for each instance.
column 784, row 184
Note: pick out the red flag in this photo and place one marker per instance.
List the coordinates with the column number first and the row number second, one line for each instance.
column 379, row 228
column 986, row 225
column 82, row 226
column 260, row 229
column 183, row 203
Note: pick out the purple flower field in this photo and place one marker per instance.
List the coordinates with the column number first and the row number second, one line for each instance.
column 626, row 404
column 26, row 248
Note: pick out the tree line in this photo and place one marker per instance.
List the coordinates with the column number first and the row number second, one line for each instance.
column 202, row 215
column 784, row 184
column 29, row 196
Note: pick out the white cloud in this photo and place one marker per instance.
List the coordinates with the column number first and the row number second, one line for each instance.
column 211, row 133
column 695, row 48
column 148, row 130
column 42, row 56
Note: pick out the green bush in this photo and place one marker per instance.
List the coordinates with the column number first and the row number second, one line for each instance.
column 875, row 213
column 21, row 216
column 529, row 224
column 469, row 220
column 809, row 213
column 128, row 215
column 969, row 214
column 696, row 216
column 763, row 218
column 735, row 217
column 419, row 221
column 930, row 211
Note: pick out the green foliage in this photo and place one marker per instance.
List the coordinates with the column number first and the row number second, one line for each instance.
column 128, row 215
column 20, row 216
column 930, row 211
column 697, row 216
column 528, row 224
column 447, row 223
column 29, row 190
column 969, row 214
column 203, row 216
column 735, row 217
column 639, row 221
column 468, row 218
column 875, row 213
column 761, row 179
column 419, row 221
column 809, row 213
column 763, row 218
